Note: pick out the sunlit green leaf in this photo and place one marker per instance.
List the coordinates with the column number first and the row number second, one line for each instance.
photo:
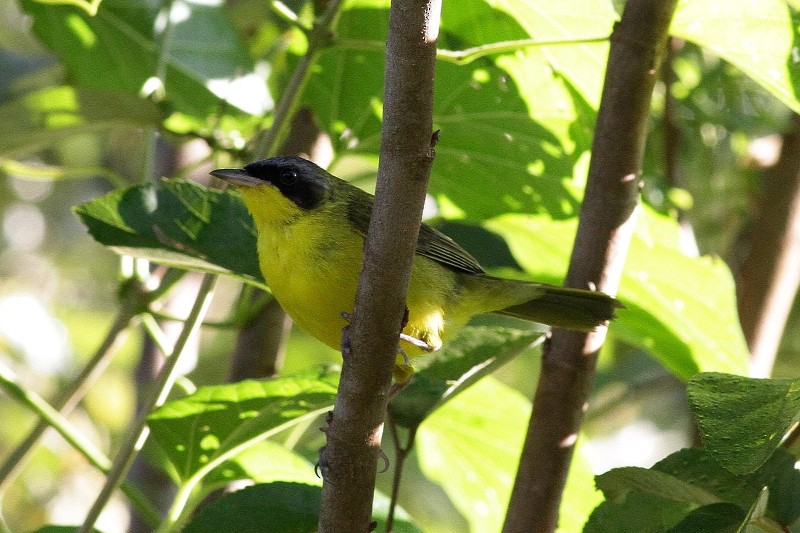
column 62, row 529
column 474, row 353
column 471, row 445
column 580, row 496
column 742, row 420
column 760, row 38
column 515, row 128
column 209, row 425
column 264, row 462
column 186, row 52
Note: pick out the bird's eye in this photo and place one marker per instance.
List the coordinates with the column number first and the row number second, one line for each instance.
column 288, row 177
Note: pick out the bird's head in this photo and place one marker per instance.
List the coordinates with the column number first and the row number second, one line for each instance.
column 280, row 187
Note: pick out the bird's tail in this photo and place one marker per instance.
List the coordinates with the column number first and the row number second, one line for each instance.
column 566, row 308
column 547, row 304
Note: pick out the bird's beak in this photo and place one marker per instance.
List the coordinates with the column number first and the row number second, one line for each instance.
column 237, row 176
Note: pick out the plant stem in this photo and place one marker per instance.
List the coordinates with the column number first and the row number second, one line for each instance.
column 140, row 432
column 769, row 275
column 401, row 454
column 468, row 55
column 319, row 38
column 10, row 384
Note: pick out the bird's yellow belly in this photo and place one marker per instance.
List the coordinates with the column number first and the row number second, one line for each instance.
column 316, row 283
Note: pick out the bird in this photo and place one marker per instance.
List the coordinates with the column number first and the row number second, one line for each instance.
column 311, row 228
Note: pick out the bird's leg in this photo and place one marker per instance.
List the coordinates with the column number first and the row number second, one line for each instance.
column 419, row 343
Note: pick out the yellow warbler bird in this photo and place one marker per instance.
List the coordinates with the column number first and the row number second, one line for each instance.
column 311, row 227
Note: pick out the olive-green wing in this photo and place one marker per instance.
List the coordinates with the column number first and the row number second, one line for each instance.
column 431, row 243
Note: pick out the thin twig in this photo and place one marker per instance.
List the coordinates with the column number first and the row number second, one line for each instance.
column 401, row 454
column 468, row 55
column 11, row 385
column 319, row 38
column 71, row 397
column 139, row 431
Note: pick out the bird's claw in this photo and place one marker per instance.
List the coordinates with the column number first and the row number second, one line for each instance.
column 382, row 455
column 322, row 467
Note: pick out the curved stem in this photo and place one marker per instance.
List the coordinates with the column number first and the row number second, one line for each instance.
column 468, row 55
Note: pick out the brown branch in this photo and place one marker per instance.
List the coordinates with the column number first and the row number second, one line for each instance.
column 770, row 272
column 606, row 224
column 349, row 460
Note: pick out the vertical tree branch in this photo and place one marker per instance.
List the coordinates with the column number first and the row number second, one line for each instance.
column 349, row 459
column 770, row 273
column 606, row 224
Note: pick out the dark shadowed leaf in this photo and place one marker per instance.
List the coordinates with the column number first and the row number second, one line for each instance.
column 177, row 223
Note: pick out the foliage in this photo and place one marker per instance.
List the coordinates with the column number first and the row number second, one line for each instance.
column 517, row 89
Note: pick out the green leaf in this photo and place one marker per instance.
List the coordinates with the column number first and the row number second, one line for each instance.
column 280, row 507
column 778, row 473
column 470, row 447
column 40, row 119
column 638, row 513
column 689, row 326
column 403, row 523
column 760, row 38
column 471, row 355
column 667, row 494
column 129, row 46
column 580, row 496
column 61, row 529
column 177, row 223
column 713, row 518
column 201, row 431
column 742, row 420
column 263, row 462
column 618, row 482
